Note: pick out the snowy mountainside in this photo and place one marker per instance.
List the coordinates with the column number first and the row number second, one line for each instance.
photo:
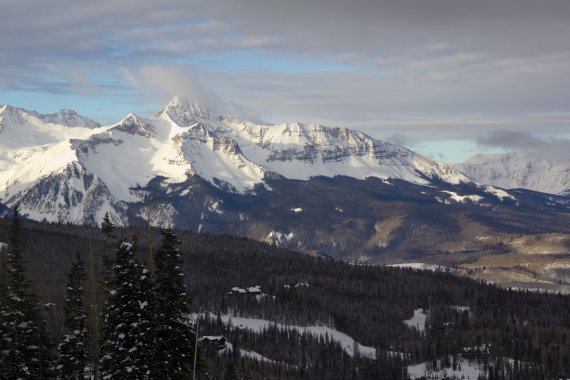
column 300, row 151
column 519, row 170
column 40, row 170
column 183, row 140
column 26, row 129
column 306, row 187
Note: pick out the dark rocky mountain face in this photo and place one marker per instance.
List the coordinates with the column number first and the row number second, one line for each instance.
column 511, row 240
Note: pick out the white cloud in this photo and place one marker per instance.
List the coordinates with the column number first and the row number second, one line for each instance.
column 159, row 83
column 557, row 149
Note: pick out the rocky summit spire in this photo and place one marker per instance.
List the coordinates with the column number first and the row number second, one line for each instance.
column 184, row 111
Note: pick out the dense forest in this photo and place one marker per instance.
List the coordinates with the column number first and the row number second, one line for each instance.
column 511, row 334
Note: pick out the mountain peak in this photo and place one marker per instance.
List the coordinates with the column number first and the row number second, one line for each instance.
column 66, row 117
column 135, row 125
column 515, row 169
column 70, row 118
column 8, row 112
column 8, row 108
column 185, row 111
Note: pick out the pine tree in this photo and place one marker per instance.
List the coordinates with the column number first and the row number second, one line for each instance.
column 107, row 226
column 24, row 346
column 127, row 343
column 175, row 339
column 73, row 352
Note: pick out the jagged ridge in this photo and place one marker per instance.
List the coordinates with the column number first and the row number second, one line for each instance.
column 183, row 140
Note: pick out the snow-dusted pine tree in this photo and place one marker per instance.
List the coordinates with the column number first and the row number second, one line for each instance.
column 175, row 338
column 127, row 341
column 107, row 227
column 24, row 345
column 73, row 352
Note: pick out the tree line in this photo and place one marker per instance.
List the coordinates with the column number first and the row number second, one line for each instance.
column 527, row 333
column 145, row 331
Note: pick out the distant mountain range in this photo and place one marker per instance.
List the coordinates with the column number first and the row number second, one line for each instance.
column 519, row 170
column 322, row 190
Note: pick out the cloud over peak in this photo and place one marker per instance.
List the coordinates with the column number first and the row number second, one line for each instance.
column 555, row 149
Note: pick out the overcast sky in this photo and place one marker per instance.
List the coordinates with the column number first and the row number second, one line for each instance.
column 449, row 78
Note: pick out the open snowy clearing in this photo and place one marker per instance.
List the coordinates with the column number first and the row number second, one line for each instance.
column 258, row 325
column 418, row 321
column 466, row 370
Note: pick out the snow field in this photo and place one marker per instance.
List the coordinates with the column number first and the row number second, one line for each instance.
column 418, row 321
column 469, row 371
column 258, row 325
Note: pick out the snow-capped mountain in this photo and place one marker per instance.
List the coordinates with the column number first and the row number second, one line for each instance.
column 294, row 151
column 64, row 167
column 307, row 187
column 519, row 170
column 39, row 167
column 69, row 118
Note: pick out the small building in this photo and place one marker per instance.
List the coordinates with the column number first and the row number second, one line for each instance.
column 476, row 352
column 253, row 290
column 217, row 342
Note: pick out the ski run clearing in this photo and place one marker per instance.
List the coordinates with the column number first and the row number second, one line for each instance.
column 258, row 325
column 418, row 321
column 242, row 352
column 465, row 370
column 419, row 266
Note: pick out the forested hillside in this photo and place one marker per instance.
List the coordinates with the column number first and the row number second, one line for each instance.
column 512, row 335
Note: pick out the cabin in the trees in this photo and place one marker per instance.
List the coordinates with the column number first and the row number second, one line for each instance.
column 217, row 342
column 254, row 290
column 476, row 352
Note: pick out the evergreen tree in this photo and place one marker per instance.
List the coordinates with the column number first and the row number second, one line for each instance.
column 24, row 346
column 107, row 226
column 72, row 353
column 175, row 339
column 127, row 343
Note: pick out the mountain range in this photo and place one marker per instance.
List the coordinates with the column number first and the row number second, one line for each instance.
column 322, row 190
column 513, row 170
column 66, row 168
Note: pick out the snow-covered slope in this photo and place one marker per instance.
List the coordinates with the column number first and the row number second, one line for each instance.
column 40, row 170
column 519, row 170
column 258, row 325
column 64, row 167
column 26, row 129
column 298, row 151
